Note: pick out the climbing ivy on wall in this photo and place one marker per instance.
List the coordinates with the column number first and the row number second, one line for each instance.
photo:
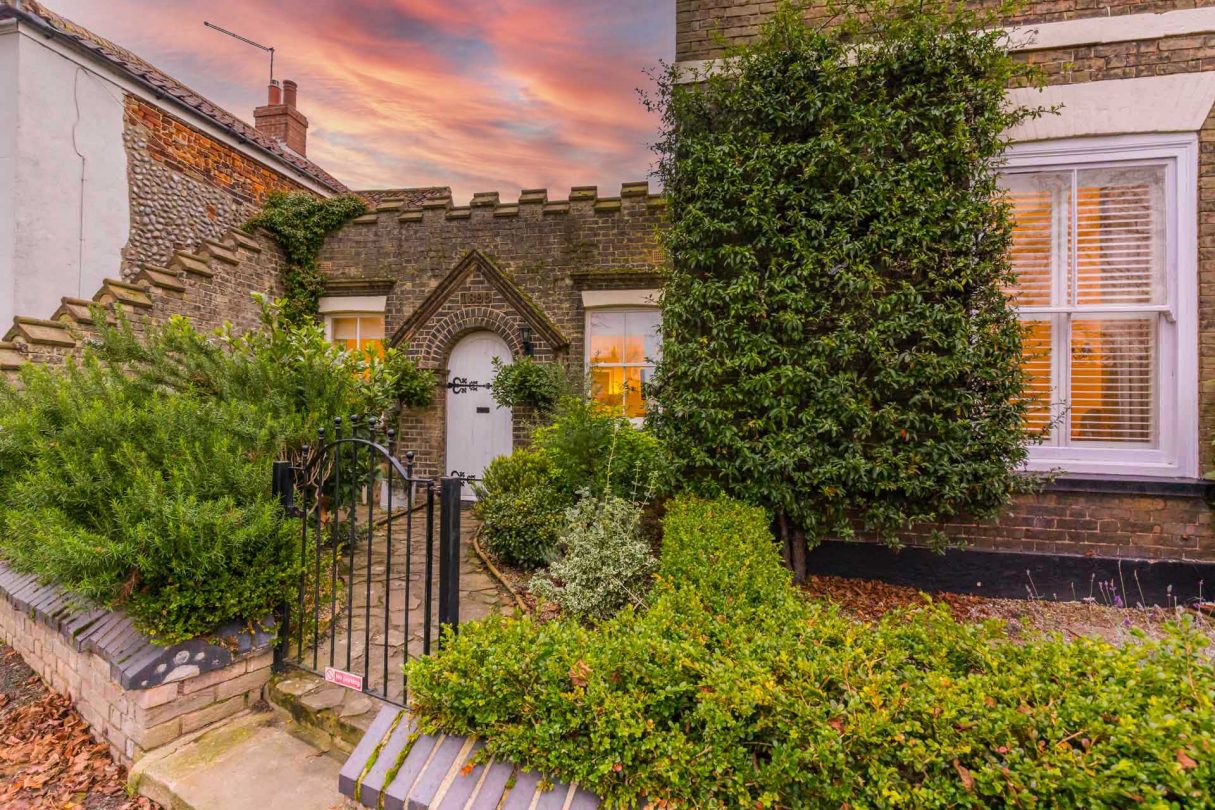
column 300, row 223
column 837, row 346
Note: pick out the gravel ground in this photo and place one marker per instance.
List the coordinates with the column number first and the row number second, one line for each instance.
column 47, row 758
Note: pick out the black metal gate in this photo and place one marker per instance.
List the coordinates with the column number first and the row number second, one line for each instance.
column 371, row 536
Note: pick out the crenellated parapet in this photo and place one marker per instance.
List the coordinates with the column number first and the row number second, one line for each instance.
column 582, row 201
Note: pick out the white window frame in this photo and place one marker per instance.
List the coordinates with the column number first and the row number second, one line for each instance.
column 637, row 301
column 353, row 306
column 1177, row 454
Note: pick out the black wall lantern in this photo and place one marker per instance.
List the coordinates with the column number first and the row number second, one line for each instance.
column 525, row 336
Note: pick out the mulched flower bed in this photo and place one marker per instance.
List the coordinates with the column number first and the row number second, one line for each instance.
column 869, row 599
column 47, row 757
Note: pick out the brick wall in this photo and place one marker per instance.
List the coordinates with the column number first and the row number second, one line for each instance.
column 132, row 721
column 549, row 251
column 702, row 25
column 185, row 185
column 1096, row 524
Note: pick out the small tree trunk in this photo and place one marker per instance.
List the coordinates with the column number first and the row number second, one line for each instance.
column 782, row 533
column 800, row 566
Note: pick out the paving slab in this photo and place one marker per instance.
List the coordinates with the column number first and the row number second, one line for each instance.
column 248, row 763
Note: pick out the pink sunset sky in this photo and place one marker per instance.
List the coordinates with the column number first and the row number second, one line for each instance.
column 479, row 95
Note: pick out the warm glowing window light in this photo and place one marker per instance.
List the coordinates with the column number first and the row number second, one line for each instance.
column 622, row 346
column 358, row 332
column 1090, row 254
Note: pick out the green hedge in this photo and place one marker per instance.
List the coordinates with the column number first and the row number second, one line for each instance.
column 731, row 690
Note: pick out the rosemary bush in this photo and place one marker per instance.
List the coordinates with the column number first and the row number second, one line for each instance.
column 139, row 476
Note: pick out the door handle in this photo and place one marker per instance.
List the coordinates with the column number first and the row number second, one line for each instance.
column 482, row 409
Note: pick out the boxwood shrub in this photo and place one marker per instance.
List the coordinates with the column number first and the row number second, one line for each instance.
column 732, row 690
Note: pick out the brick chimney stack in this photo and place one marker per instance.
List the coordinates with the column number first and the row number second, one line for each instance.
column 280, row 119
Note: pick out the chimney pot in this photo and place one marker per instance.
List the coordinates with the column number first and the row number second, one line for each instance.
column 281, row 120
column 289, row 93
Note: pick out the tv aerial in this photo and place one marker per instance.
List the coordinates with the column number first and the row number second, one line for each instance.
column 247, row 41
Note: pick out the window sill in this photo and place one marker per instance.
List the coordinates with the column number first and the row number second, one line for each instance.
column 1109, row 484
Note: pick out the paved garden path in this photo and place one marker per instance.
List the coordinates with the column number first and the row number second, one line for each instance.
column 358, row 631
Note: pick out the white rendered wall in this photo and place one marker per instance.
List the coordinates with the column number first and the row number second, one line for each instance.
column 8, row 146
column 71, row 209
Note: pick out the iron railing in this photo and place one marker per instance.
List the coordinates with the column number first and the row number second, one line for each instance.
column 356, row 583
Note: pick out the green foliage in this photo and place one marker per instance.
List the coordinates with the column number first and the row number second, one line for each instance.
column 300, row 222
column 836, row 342
column 140, row 476
column 732, row 690
column 521, row 509
column 591, row 447
column 523, row 497
column 605, row 564
column 396, row 381
column 526, row 382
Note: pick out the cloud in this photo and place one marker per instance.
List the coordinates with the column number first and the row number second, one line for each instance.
column 476, row 94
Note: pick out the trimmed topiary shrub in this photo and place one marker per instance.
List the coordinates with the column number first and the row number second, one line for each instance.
column 521, row 509
column 732, row 690
column 837, row 345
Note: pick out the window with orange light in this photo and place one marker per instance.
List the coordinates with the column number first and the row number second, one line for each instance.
column 1095, row 257
column 357, row 331
column 622, row 347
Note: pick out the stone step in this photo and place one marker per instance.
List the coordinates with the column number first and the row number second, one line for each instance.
column 394, row 767
column 329, row 717
column 248, row 763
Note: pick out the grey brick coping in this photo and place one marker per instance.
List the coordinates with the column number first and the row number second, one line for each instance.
column 135, row 662
column 394, row 767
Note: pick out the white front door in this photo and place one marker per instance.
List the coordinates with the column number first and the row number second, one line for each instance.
column 478, row 430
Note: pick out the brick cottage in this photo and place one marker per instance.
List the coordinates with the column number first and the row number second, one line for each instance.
column 1115, row 248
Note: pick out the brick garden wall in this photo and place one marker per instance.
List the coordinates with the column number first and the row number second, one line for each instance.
column 186, row 186
column 131, row 721
column 548, row 250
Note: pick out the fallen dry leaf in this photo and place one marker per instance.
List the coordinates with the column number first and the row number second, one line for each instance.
column 968, row 781
column 579, row 673
column 49, row 760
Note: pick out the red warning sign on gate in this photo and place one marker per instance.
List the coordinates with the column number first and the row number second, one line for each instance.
column 342, row 678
